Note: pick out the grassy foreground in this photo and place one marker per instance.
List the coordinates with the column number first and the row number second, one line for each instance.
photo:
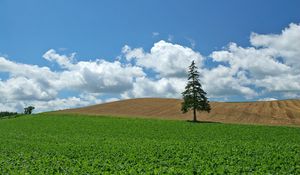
column 65, row 144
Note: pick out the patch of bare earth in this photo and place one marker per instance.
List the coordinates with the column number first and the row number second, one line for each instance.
column 283, row 112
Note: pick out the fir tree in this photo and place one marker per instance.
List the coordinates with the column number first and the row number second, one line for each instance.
column 194, row 97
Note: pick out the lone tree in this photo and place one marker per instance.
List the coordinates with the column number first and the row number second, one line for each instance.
column 28, row 110
column 194, row 96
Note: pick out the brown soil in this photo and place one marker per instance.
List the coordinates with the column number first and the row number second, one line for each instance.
column 284, row 112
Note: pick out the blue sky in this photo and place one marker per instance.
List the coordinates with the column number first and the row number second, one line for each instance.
column 101, row 29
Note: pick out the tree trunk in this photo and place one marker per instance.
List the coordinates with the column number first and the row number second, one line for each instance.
column 195, row 117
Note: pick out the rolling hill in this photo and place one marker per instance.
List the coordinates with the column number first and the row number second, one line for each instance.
column 283, row 112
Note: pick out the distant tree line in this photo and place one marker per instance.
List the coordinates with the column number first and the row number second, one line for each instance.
column 7, row 114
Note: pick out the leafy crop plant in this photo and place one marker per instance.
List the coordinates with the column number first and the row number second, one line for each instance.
column 67, row 144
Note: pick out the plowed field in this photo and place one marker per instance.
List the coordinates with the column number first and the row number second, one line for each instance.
column 283, row 112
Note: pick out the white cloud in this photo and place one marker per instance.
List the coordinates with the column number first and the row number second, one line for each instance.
column 41, row 85
column 291, row 95
column 50, row 105
column 284, row 82
column 100, row 76
column 272, row 64
column 111, row 100
column 267, row 99
column 224, row 81
column 22, row 88
column 33, row 82
column 164, row 87
column 167, row 59
column 26, row 82
column 58, row 104
column 63, row 60
column 286, row 44
column 25, row 70
column 11, row 107
column 259, row 62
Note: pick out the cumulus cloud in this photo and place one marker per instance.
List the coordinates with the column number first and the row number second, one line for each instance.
column 50, row 105
column 224, row 81
column 291, row 94
column 285, row 45
column 167, row 59
column 22, row 88
column 259, row 62
column 25, row 70
column 94, row 76
column 12, row 106
column 63, row 60
column 31, row 83
column 111, row 99
column 164, row 87
column 272, row 63
column 26, row 82
column 267, row 99
column 60, row 103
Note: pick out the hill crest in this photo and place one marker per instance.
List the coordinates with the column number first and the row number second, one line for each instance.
column 281, row 112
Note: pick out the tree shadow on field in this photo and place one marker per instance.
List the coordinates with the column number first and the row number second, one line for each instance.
column 198, row 122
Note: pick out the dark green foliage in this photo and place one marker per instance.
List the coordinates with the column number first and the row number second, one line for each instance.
column 28, row 110
column 194, row 97
column 6, row 114
column 65, row 144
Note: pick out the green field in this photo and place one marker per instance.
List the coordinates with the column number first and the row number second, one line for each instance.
column 65, row 144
